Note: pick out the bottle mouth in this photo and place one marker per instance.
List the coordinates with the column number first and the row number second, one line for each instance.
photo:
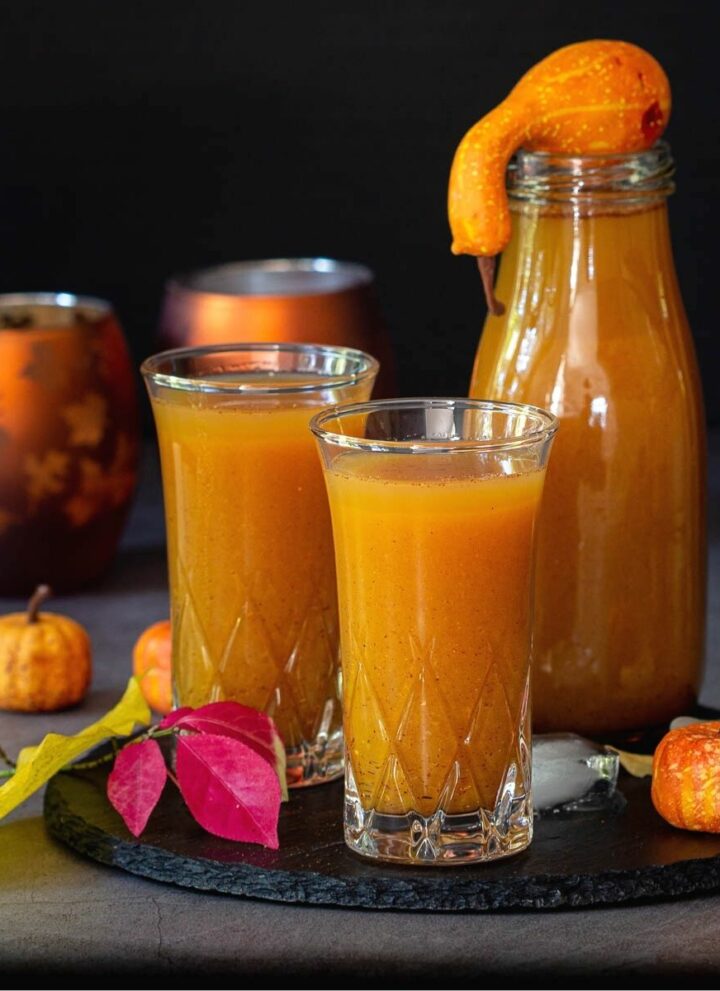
column 636, row 178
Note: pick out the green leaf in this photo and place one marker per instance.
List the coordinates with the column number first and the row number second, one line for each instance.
column 36, row 765
column 639, row 765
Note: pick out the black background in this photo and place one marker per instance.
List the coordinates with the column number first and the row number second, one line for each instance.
column 142, row 139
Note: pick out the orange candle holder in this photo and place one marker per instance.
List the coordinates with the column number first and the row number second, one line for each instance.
column 68, row 440
column 301, row 300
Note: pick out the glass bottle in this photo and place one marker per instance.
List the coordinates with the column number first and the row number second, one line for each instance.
column 595, row 331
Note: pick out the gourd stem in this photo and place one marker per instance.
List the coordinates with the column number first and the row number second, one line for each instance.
column 486, row 267
column 41, row 593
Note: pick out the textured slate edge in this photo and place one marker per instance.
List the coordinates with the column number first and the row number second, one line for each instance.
column 444, row 891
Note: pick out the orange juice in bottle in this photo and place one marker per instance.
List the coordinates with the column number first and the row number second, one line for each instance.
column 595, row 330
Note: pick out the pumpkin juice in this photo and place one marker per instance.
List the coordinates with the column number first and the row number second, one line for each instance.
column 247, row 525
column 250, row 555
column 434, row 561
column 595, row 330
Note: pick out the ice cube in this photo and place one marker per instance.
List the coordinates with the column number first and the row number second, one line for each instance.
column 572, row 774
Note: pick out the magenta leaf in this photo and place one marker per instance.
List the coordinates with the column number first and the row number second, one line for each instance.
column 240, row 722
column 228, row 719
column 229, row 788
column 173, row 717
column 135, row 784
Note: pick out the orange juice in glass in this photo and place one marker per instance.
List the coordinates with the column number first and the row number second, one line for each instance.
column 250, row 556
column 433, row 505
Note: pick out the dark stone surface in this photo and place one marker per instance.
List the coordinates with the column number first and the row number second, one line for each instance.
column 579, row 860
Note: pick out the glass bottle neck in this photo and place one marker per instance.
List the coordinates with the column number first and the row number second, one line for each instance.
column 581, row 267
column 590, row 184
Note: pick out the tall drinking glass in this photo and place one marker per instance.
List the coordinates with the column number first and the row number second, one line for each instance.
column 252, row 578
column 433, row 505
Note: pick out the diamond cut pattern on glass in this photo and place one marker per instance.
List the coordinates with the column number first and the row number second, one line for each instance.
column 290, row 673
column 433, row 743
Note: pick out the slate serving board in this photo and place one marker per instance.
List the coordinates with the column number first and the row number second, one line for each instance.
column 584, row 859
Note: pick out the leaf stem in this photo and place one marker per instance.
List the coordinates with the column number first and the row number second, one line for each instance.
column 6, row 760
column 88, row 765
column 153, row 733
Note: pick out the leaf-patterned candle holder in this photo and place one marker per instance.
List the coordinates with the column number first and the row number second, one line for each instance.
column 68, row 439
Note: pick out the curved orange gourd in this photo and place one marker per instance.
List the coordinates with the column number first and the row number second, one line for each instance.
column 587, row 98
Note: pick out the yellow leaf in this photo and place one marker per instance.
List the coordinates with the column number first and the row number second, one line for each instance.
column 639, row 765
column 36, row 765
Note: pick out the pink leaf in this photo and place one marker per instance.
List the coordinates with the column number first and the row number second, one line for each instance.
column 135, row 784
column 173, row 717
column 240, row 722
column 230, row 790
column 228, row 719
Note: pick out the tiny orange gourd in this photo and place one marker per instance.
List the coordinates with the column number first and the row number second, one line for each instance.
column 45, row 659
column 152, row 655
column 686, row 777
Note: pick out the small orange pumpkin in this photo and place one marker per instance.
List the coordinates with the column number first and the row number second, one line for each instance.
column 45, row 660
column 686, row 777
column 152, row 656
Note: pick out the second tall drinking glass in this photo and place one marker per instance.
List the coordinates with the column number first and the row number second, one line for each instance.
column 433, row 505
column 250, row 553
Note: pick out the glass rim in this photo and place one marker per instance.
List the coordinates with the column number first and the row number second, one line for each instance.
column 367, row 367
column 660, row 148
column 635, row 177
column 61, row 300
column 546, row 426
column 348, row 275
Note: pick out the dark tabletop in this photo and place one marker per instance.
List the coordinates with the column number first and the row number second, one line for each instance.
column 60, row 913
